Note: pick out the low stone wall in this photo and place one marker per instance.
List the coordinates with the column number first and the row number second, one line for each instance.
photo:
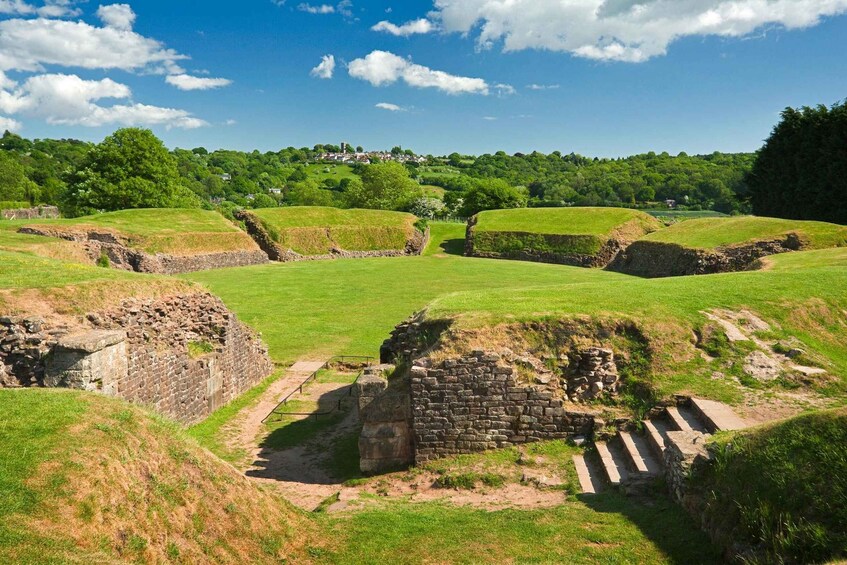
column 655, row 259
column 103, row 243
column 475, row 403
column 685, row 453
column 385, row 443
column 414, row 246
column 183, row 356
column 37, row 213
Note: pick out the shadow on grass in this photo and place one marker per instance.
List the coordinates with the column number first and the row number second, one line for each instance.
column 452, row 247
column 318, row 449
column 666, row 524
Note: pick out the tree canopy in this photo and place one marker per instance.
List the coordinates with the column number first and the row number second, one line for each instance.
column 384, row 186
column 801, row 172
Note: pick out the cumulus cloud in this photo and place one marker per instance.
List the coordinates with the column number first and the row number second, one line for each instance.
column 51, row 8
column 390, row 107
column 621, row 30
column 504, row 90
column 30, row 44
column 420, row 26
column 8, row 124
column 322, row 9
column 188, row 82
column 326, row 68
column 381, row 68
column 118, row 16
column 61, row 99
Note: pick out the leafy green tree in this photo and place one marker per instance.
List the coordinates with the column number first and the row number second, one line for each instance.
column 493, row 194
column 129, row 169
column 308, row 193
column 801, row 172
column 263, row 201
column 14, row 184
column 385, row 186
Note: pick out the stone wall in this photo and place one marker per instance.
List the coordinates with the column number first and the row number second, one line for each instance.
column 475, row 403
column 37, row 213
column 183, row 356
column 385, row 443
column 655, row 259
column 103, row 243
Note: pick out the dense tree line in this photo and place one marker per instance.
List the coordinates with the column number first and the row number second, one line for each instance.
column 801, row 172
column 82, row 177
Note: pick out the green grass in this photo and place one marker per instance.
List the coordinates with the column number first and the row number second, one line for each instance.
column 711, row 233
column 783, row 488
column 23, row 271
column 602, row 529
column 164, row 230
column 13, row 205
column 313, row 230
column 679, row 215
column 562, row 221
column 322, row 172
column 446, row 238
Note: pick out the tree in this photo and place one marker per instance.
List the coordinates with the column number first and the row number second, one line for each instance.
column 14, row 184
column 129, row 169
column 307, row 193
column 385, row 186
column 801, row 172
column 493, row 194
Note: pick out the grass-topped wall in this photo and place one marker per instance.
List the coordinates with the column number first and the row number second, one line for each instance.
column 586, row 237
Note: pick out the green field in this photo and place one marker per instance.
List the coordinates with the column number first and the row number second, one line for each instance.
column 321, row 172
column 711, row 233
column 563, row 221
column 312, row 230
column 157, row 230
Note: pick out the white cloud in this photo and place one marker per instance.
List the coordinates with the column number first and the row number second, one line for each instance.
column 15, row 7
column 30, row 44
column 51, row 8
column 420, row 26
column 381, row 68
column 8, row 124
column 231, row 122
column 188, row 82
column 322, row 9
column 542, row 87
column 118, row 16
column 326, row 68
column 504, row 90
column 621, row 30
column 390, row 107
column 70, row 100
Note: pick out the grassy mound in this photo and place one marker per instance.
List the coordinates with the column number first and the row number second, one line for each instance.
column 40, row 286
column 782, row 489
column 89, row 479
column 178, row 232
column 311, row 230
column 572, row 236
column 713, row 233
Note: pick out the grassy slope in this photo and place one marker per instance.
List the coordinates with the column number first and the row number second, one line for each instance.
column 175, row 231
column 84, row 478
column 313, row 230
column 710, row 233
column 806, row 457
column 336, row 172
column 34, row 285
column 562, row 221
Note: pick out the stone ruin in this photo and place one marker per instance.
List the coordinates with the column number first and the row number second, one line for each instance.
column 141, row 352
column 594, row 374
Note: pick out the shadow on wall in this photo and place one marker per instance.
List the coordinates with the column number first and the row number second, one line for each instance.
column 674, row 536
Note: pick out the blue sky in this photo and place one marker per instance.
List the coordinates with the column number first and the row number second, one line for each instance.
column 629, row 76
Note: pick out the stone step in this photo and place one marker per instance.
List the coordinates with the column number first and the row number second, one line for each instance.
column 717, row 416
column 657, row 436
column 637, row 450
column 684, row 419
column 613, row 462
column 590, row 477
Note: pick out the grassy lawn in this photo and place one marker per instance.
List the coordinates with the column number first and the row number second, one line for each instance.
column 562, row 221
column 601, row 529
column 321, row 172
column 349, row 306
column 322, row 217
column 175, row 231
column 710, row 233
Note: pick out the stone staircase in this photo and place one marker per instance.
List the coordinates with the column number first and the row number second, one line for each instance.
column 632, row 459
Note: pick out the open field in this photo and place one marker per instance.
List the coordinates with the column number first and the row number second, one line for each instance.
column 321, row 172
column 172, row 231
column 555, row 221
column 711, row 233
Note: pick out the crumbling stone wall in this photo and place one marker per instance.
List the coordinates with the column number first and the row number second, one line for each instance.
column 475, row 403
column 592, row 372
column 37, row 213
column 385, row 443
column 141, row 352
column 655, row 259
column 103, row 243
